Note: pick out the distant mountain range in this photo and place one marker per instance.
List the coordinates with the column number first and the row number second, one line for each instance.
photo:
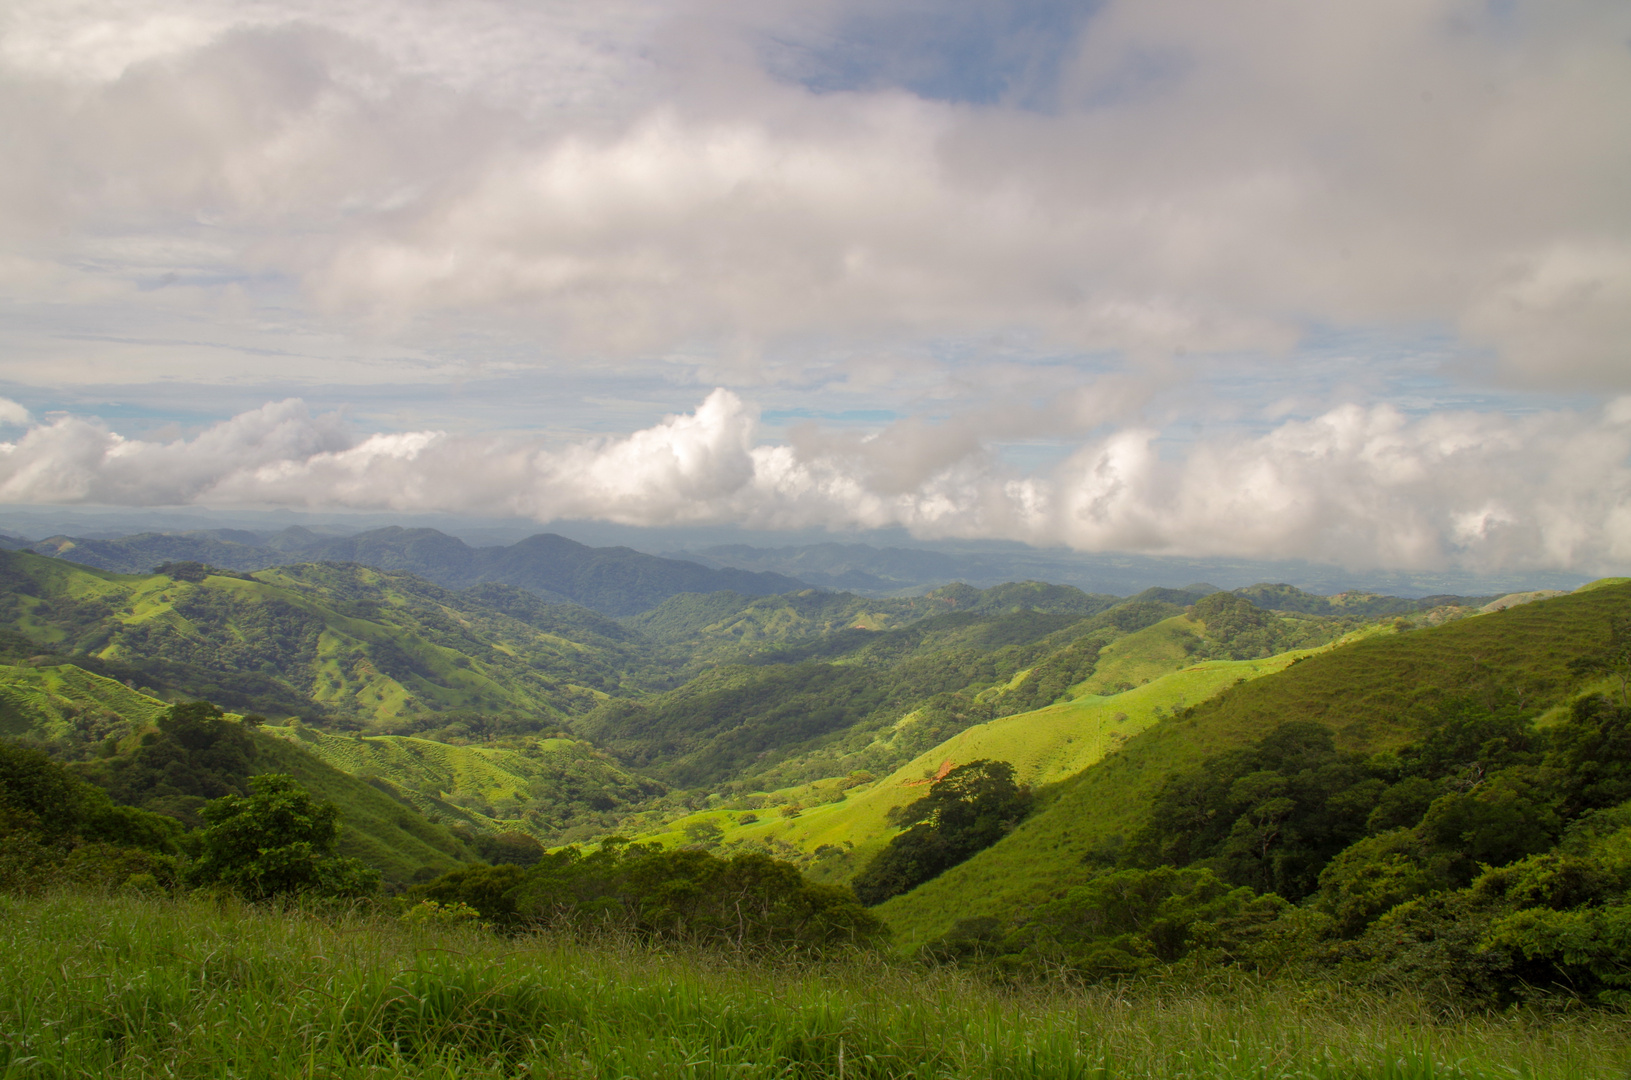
column 620, row 581
column 613, row 581
column 874, row 563
column 902, row 571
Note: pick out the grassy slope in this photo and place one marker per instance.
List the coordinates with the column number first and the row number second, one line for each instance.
column 65, row 704
column 1045, row 746
column 488, row 787
column 1138, row 658
column 776, row 724
column 388, row 834
column 1364, row 691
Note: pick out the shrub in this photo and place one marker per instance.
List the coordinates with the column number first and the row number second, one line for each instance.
column 278, row 841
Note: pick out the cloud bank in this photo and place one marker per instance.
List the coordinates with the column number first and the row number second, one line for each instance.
column 630, row 177
column 1358, row 486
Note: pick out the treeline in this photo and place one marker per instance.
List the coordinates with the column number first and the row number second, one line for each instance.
column 205, row 822
column 745, row 901
column 1488, row 860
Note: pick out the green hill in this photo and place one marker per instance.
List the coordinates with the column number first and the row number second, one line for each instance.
column 557, row 790
column 1353, row 604
column 744, row 727
column 840, row 823
column 858, row 701
column 68, row 710
column 1368, row 692
column 340, row 642
column 728, row 626
column 79, row 715
column 382, row 829
column 1113, row 674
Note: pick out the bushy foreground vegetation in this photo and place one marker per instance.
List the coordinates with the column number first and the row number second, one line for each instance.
column 129, row 986
column 1487, row 862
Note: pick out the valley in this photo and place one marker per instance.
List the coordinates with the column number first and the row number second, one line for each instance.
column 495, row 729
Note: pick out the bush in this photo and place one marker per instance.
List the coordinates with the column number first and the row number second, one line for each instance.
column 278, row 841
column 37, row 795
column 1123, row 922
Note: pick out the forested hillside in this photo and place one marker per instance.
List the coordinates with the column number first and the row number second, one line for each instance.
column 338, row 643
column 554, row 789
column 171, row 760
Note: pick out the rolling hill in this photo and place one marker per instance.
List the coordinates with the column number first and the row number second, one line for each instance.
column 840, row 823
column 80, row 715
column 1368, row 692
column 493, row 709
column 556, row 790
column 343, row 643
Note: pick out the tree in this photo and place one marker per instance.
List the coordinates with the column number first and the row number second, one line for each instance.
column 195, row 754
column 705, row 833
column 40, row 796
column 966, row 811
column 36, row 794
column 278, row 841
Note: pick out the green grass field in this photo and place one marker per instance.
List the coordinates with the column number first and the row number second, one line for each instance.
column 129, row 987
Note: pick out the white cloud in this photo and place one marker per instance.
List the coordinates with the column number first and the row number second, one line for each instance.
column 412, row 194
column 12, row 413
column 624, row 177
column 1361, row 486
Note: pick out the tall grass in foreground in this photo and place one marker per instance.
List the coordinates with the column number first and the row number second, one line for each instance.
column 129, row 987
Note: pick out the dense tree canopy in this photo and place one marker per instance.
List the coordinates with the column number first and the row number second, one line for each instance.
column 1486, row 860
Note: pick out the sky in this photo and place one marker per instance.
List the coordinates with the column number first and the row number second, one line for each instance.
column 1272, row 279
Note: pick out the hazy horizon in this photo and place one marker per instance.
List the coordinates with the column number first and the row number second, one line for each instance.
column 992, row 561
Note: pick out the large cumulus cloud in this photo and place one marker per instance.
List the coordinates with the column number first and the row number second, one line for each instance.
column 1362, row 486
